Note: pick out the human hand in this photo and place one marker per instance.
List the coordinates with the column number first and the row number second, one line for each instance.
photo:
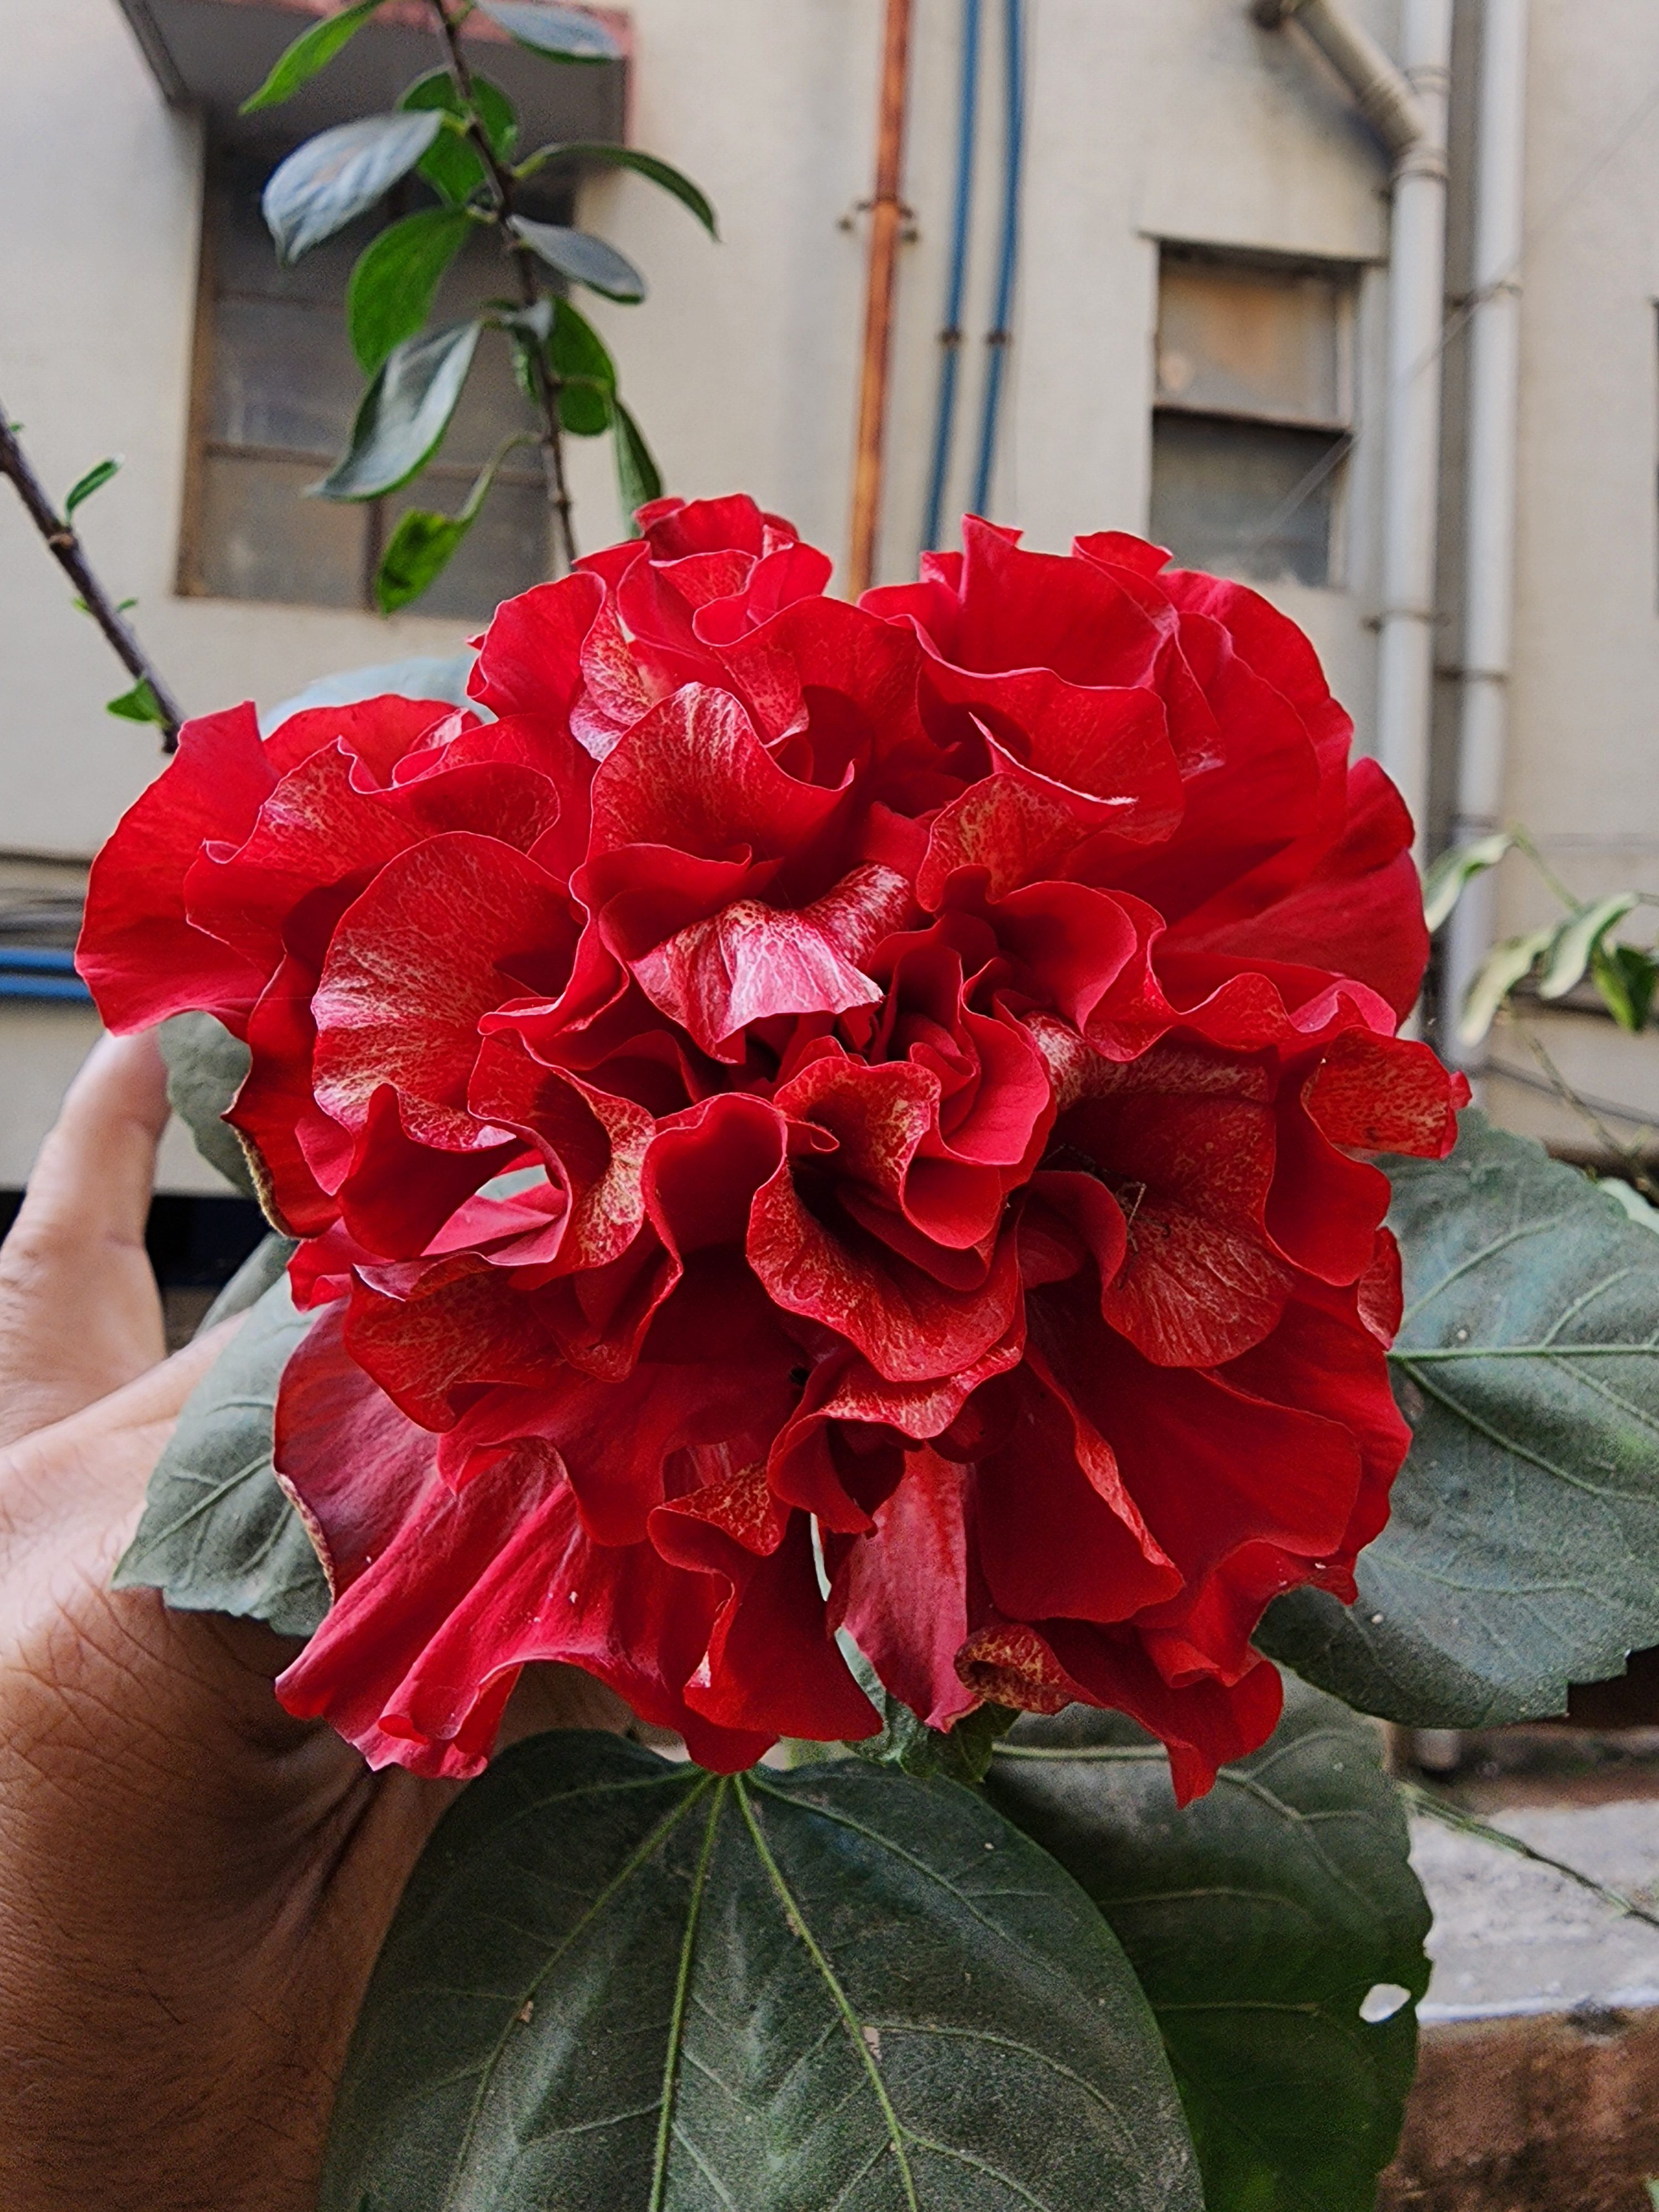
column 193, row 1886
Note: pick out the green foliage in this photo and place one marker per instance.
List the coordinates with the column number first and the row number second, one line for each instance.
column 1578, row 940
column 1454, row 872
column 452, row 165
column 1626, row 976
column 312, row 50
column 581, row 258
column 423, row 543
column 138, row 705
column 83, row 487
column 1521, row 1553
column 340, row 174
column 1275, row 1925
column 1504, row 967
column 563, row 34
column 595, row 152
column 403, row 415
column 205, row 1067
column 586, row 374
column 617, row 1984
column 392, row 286
column 218, row 1534
column 637, row 474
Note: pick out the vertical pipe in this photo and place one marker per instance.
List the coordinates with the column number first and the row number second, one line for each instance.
column 885, row 218
column 1494, row 392
column 1013, row 160
column 949, row 336
column 1410, row 497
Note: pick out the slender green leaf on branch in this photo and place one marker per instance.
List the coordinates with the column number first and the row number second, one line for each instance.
column 340, row 174
column 94, row 480
column 582, row 258
column 1275, row 1925
column 138, row 705
column 638, row 479
column 206, row 1066
column 1453, row 871
column 583, row 370
column 451, row 164
column 1578, row 940
column 563, row 34
column 1625, row 977
column 312, row 50
column 403, row 415
column 588, row 152
column 218, row 1534
column 1434, row 1806
column 1504, row 968
column 628, row 1986
column 423, row 543
column 392, row 286
column 1521, row 1552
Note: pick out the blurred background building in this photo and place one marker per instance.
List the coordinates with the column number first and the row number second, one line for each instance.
column 1358, row 305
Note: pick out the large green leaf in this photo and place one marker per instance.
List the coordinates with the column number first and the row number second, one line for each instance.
column 1522, row 1551
column 622, row 1985
column 218, row 1533
column 584, row 371
column 403, row 415
column 451, row 164
column 313, row 50
column 639, row 480
column 590, row 151
column 340, row 174
column 563, row 35
column 205, row 1067
column 582, row 258
column 392, row 288
column 1275, row 1925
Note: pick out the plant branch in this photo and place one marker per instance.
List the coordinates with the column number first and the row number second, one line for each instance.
column 551, row 438
column 1631, row 1155
column 66, row 548
column 1468, row 1824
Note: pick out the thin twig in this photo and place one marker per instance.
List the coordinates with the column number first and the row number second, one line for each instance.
column 1469, row 1823
column 65, row 548
column 1630, row 1154
column 501, row 184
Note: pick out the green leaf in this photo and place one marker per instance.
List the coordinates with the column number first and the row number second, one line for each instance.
column 1577, row 939
column 1502, row 970
column 312, row 50
column 1521, row 1552
column 1625, row 977
column 218, row 1534
column 589, row 151
column 637, row 479
column 403, row 415
column 138, row 705
column 419, row 551
column 563, row 34
column 94, row 480
column 452, row 165
column 584, row 371
column 340, row 174
column 206, row 1066
column 582, row 258
column 961, row 1754
column 1444, row 884
column 1275, row 1925
column 617, row 1984
column 392, row 288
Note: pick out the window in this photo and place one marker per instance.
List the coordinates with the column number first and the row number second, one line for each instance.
column 275, row 388
column 1252, row 419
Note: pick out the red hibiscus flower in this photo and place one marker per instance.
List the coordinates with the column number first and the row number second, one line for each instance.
column 808, row 1118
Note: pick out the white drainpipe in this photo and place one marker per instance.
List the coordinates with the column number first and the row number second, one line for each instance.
column 1489, row 511
column 1405, row 106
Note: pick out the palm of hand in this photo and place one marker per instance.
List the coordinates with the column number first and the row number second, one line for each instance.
column 193, row 1886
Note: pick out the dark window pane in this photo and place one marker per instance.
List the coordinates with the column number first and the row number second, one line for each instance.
column 1252, row 500
column 260, row 539
column 283, row 375
column 505, row 552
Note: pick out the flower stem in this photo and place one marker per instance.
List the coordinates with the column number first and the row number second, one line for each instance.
column 66, row 548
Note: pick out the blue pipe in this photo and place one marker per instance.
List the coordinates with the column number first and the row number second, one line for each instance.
column 36, row 971
column 950, row 337
column 996, row 338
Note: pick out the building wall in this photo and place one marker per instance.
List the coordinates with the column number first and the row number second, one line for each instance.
column 1180, row 121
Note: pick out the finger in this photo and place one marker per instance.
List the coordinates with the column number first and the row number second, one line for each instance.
column 79, row 1314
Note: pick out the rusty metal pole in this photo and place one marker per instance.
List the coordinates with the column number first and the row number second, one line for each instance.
column 886, row 212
